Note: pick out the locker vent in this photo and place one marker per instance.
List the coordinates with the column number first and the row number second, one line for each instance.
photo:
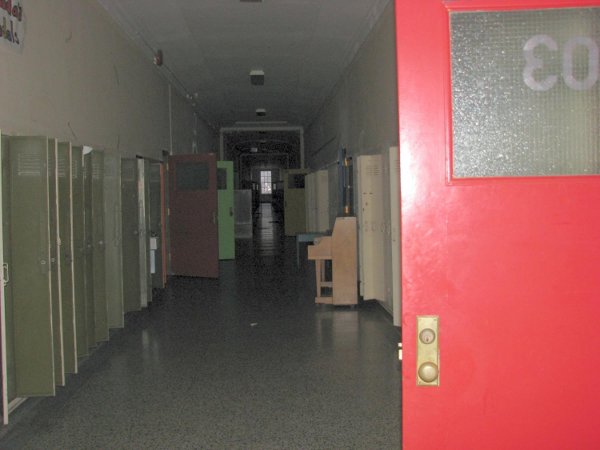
column 29, row 163
column 96, row 171
column 373, row 170
column 75, row 171
column 128, row 171
column 62, row 166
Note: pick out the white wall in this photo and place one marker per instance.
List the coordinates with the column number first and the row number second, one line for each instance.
column 362, row 113
column 79, row 78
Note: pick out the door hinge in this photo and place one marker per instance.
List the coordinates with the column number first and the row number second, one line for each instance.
column 399, row 351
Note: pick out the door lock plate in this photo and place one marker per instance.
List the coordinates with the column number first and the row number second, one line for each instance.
column 428, row 355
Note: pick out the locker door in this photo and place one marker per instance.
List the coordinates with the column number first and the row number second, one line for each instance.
column 65, row 213
column 6, row 324
column 30, row 274
column 322, row 201
column 79, row 253
column 156, row 227
column 90, row 306
column 55, row 276
column 370, row 216
column 130, row 233
column 226, row 219
column 145, row 280
column 500, row 187
column 294, row 202
column 112, row 235
column 99, row 246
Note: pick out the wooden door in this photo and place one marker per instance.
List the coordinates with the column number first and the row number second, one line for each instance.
column 500, row 219
column 226, row 221
column 193, row 219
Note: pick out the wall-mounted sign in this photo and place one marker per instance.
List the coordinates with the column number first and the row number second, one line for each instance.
column 12, row 24
column 526, row 92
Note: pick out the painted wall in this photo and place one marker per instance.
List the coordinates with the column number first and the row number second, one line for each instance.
column 362, row 113
column 79, row 78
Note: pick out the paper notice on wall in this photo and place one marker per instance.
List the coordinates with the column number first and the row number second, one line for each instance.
column 12, row 24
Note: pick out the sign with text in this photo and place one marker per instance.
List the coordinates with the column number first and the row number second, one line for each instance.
column 526, row 92
column 12, row 24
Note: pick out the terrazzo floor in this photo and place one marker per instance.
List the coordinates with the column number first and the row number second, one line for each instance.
column 247, row 361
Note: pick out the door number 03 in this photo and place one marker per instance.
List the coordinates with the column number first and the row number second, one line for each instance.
column 535, row 63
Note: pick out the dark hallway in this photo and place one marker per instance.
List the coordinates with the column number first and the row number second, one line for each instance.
column 246, row 361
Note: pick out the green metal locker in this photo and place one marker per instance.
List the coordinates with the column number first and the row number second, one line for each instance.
column 65, row 213
column 155, row 213
column 30, row 272
column 144, row 232
column 98, row 251
column 130, row 235
column 226, row 218
column 89, row 249
column 79, row 253
column 57, row 328
column 294, row 202
column 112, row 236
column 8, row 355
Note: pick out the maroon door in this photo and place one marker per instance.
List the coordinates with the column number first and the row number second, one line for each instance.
column 499, row 124
column 193, row 215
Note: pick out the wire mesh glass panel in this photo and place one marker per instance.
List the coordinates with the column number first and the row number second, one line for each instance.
column 525, row 92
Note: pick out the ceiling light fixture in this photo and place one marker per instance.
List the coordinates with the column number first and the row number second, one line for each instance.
column 261, row 112
column 257, row 77
column 250, row 1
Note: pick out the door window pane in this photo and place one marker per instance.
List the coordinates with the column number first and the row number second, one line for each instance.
column 265, row 181
column 192, row 176
column 525, row 92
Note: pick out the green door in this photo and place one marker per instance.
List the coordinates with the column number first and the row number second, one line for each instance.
column 155, row 214
column 89, row 250
column 294, row 202
column 30, row 273
column 65, row 212
column 112, row 236
column 130, row 235
column 98, row 251
column 57, row 329
column 79, row 252
column 226, row 219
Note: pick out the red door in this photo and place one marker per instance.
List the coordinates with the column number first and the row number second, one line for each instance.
column 193, row 215
column 500, row 223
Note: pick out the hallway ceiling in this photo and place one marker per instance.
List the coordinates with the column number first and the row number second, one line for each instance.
column 210, row 46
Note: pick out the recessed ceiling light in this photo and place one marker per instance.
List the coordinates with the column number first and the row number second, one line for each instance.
column 261, row 112
column 251, row 1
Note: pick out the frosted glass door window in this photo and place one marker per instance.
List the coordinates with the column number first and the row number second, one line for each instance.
column 525, row 92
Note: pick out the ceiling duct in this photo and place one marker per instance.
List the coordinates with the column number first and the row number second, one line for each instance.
column 257, row 77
